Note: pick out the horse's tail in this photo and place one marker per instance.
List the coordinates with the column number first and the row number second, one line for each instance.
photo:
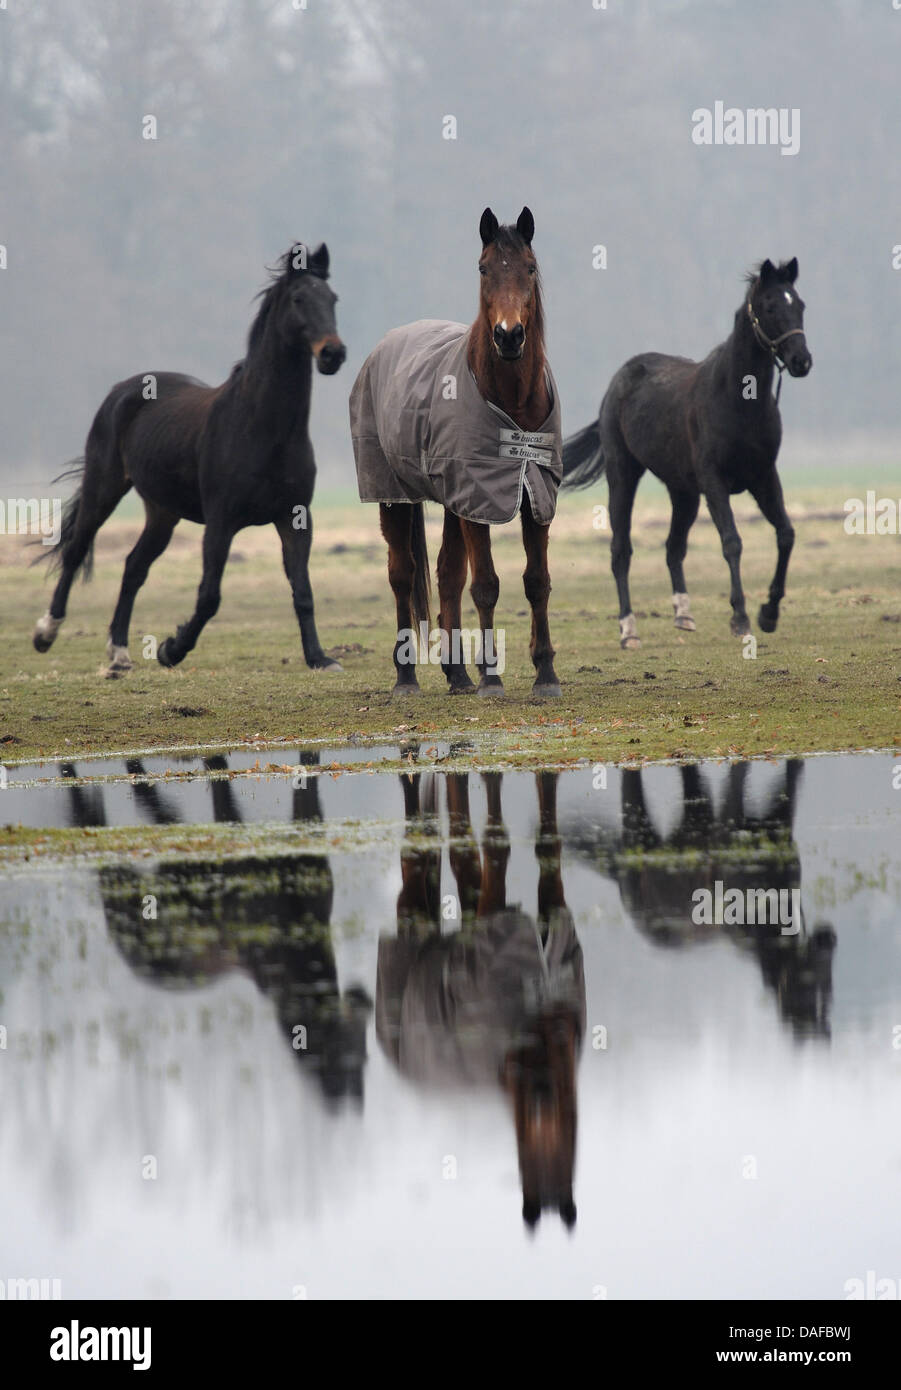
column 583, row 457
column 422, row 584
column 55, row 554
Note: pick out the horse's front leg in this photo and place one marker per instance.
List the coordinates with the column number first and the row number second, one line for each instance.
column 537, row 583
column 217, row 539
column 767, row 493
column 548, row 848
column 484, row 589
column 495, row 851
column 296, row 546
column 397, row 528
column 463, row 852
column 721, row 512
column 451, row 578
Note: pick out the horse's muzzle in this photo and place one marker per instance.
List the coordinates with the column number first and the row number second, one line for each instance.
column 330, row 357
column 800, row 363
column 510, row 342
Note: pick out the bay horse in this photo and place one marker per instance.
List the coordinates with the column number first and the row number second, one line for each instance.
column 710, row 427
column 468, row 418
column 226, row 457
column 499, row 1002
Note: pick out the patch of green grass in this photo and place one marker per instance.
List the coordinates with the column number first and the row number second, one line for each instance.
column 828, row 679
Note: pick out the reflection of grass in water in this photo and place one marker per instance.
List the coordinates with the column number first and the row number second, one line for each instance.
column 750, row 850
column 847, row 880
column 827, row 679
column 230, row 903
column 98, row 845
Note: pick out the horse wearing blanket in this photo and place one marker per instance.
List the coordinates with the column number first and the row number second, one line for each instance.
column 468, row 418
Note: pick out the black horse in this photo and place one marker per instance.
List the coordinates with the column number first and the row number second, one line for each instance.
column 227, row 457
column 710, row 427
column 266, row 917
column 659, row 877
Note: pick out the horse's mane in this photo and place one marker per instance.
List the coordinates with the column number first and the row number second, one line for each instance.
column 753, row 275
column 280, row 276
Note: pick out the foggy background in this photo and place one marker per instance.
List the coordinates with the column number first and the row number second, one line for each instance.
column 274, row 124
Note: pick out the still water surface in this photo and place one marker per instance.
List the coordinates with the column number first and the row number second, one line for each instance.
column 467, row 1041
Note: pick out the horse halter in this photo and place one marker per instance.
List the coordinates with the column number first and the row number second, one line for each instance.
column 771, row 343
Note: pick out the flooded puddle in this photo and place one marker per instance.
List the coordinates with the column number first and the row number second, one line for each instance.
column 552, row 1035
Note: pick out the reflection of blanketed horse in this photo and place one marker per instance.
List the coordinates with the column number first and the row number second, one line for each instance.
column 502, row 1000
column 751, row 853
column 269, row 918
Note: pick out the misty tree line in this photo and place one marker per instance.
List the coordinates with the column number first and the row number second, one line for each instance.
column 327, row 122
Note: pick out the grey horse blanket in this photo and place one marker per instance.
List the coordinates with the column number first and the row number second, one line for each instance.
column 450, row 1008
column 423, row 433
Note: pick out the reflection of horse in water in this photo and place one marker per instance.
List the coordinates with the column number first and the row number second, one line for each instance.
column 501, row 1001
column 659, row 879
column 86, row 805
column 269, row 917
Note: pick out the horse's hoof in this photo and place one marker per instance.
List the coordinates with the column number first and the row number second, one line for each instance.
column 165, row 654
column 402, row 690
column 114, row 673
column 547, row 690
column 120, row 663
column 739, row 627
column 686, row 623
column 765, row 623
column 628, row 633
column 461, row 687
column 328, row 667
column 492, row 690
column 45, row 630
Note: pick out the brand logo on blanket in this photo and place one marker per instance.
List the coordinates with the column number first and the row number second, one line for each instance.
column 531, row 445
column 523, row 451
column 537, row 438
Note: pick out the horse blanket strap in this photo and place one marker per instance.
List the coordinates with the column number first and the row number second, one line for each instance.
column 422, row 432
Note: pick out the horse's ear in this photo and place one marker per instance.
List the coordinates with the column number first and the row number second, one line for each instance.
column 525, row 225
column 318, row 261
column 789, row 271
column 488, row 227
column 767, row 272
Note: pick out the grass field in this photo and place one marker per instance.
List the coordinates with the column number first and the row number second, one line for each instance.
column 828, row 679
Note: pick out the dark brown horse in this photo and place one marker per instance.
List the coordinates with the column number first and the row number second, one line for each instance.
column 484, row 451
column 228, row 456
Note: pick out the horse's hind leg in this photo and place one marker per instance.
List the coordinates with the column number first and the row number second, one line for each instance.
column 103, row 485
column 397, row 528
column 537, row 584
column 623, row 475
column 685, row 510
column 767, row 493
column 451, row 578
column 158, row 528
column 217, row 541
column 484, row 589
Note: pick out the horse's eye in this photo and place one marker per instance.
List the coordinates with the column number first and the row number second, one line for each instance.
column 483, row 270
column 532, row 269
